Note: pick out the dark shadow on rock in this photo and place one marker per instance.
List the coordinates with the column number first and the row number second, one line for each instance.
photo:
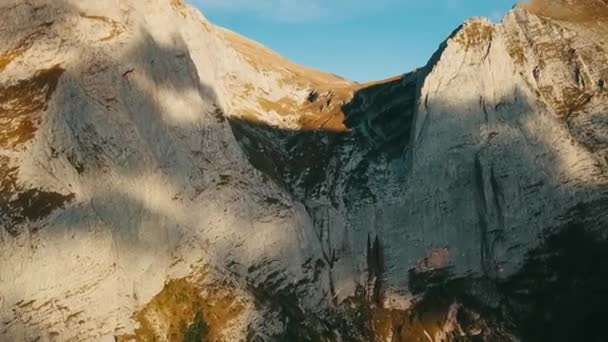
column 379, row 118
column 560, row 293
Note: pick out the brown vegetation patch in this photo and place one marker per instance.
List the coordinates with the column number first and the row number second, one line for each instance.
column 181, row 7
column 475, row 34
column 251, row 116
column 248, row 89
column 283, row 106
column 324, row 113
column 423, row 322
column 183, row 312
column 317, row 116
column 550, row 50
column 8, row 56
column 18, row 204
column 568, row 102
column 575, row 99
column 517, row 53
column 265, row 59
column 331, row 122
column 20, row 107
column 116, row 27
column 582, row 11
column 404, row 327
column 21, row 104
column 323, row 110
column 178, row 4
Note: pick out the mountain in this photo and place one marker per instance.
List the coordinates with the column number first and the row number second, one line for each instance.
column 164, row 179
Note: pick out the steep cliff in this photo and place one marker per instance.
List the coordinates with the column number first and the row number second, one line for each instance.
column 164, row 179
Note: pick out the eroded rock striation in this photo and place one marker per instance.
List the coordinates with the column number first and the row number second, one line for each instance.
column 164, row 179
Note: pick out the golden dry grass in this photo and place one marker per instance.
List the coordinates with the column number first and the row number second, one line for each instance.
column 284, row 106
column 387, row 323
column 116, row 27
column 181, row 7
column 9, row 56
column 265, row 59
column 178, row 4
column 475, row 34
column 17, row 51
column 383, row 324
column 8, row 179
column 582, row 11
column 323, row 114
column 170, row 314
column 517, row 53
column 19, row 204
column 21, row 104
column 326, row 112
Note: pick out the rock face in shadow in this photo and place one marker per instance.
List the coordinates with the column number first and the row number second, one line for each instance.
column 166, row 179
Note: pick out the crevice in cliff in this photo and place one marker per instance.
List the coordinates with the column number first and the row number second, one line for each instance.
column 482, row 214
column 323, row 230
column 482, row 104
column 489, row 200
column 22, row 106
column 498, row 197
column 183, row 311
column 375, row 270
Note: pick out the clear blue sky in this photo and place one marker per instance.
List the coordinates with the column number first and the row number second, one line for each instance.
column 361, row 40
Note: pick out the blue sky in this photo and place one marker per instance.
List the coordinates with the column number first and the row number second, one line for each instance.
column 362, row 40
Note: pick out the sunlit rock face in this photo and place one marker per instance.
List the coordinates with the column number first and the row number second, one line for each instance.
column 163, row 179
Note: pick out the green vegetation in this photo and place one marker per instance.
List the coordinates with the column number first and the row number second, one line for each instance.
column 198, row 330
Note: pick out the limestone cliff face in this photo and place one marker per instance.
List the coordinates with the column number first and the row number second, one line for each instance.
column 166, row 179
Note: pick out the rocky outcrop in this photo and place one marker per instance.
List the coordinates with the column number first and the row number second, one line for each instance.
column 165, row 179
